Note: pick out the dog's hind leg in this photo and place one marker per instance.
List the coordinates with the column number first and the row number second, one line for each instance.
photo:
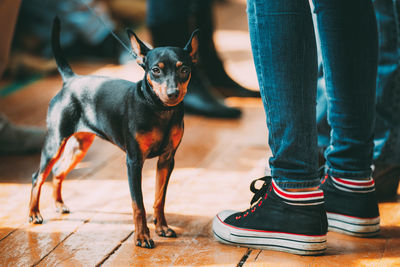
column 51, row 152
column 74, row 151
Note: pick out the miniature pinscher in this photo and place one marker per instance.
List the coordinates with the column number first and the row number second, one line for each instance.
column 144, row 119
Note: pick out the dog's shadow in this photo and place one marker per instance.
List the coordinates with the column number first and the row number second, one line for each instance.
column 184, row 225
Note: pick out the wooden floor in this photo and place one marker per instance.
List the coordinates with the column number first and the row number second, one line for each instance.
column 215, row 164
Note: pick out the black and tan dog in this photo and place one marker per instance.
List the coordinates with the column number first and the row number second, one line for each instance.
column 144, row 119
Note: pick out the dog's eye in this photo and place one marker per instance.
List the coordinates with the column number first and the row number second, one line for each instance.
column 156, row 70
column 185, row 70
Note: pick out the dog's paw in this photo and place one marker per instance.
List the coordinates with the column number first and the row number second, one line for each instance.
column 61, row 208
column 35, row 217
column 165, row 231
column 144, row 241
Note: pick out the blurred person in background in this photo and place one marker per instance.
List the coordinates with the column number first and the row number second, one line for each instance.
column 170, row 23
column 14, row 139
column 386, row 156
column 26, row 26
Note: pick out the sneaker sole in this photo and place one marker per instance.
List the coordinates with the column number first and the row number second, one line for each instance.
column 361, row 227
column 286, row 242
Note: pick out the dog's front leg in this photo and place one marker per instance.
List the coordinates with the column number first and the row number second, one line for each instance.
column 142, row 234
column 165, row 166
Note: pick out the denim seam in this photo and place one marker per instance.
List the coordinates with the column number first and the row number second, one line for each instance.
column 282, row 13
column 302, row 76
column 291, row 184
column 269, row 122
column 262, row 71
column 396, row 16
column 348, row 174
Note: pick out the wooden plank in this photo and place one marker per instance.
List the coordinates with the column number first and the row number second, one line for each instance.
column 40, row 240
column 96, row 237
column 275, row 258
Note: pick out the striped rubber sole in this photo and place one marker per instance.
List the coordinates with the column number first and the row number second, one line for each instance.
column 361, row 227
column 286, row 242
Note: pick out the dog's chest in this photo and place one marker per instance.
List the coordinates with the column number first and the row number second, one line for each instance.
column 156, row 141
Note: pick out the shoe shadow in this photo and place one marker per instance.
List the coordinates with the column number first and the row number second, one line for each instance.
column 374, row 247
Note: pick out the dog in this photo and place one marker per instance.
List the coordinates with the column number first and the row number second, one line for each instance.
column 144, row 119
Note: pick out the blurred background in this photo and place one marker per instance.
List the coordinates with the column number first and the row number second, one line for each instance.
column 86, row 32
column 94, row 40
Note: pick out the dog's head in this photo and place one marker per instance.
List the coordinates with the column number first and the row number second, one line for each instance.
column 167, row 69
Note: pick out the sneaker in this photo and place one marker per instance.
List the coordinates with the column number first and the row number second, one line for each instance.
column 351, row 206
column 277, row 220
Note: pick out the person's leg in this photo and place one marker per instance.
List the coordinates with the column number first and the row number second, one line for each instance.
column 349, row 54
column 284, row 51
column 387, row 129
column 349, row 51
column 170, row 24
column 386, row 157
column 323, row 127
column 13, row 139
column 8, row 17
column 211, row 63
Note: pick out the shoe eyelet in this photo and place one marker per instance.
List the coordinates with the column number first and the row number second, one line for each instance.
column 259, row 204
column 238, row 217
column 247, row 213
column 253, row 209
column 323, row 181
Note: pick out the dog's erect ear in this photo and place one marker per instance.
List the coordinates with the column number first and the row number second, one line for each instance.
column 192, row 47
column 139, row 49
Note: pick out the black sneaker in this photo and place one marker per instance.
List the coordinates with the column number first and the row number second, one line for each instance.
column 277, row 220
column 351, row 206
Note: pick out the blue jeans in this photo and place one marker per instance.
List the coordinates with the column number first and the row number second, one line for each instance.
column 285, row 57
column 387, row 126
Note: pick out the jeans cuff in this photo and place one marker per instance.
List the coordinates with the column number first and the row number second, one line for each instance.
column 348, row 174
column 285, row 183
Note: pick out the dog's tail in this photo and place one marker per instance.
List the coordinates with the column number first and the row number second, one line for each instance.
column 63, row 67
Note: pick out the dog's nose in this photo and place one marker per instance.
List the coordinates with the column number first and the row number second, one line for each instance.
column 173, row 94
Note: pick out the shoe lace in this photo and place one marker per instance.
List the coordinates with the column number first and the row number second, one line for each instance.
column 322, row 175
column 259, row 194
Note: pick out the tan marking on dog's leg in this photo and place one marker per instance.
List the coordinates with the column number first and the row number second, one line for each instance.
column 162, row 178
column 142, row 233
column 34, row 213
column 147, row 139
column 75, row 150
column 176, row 136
